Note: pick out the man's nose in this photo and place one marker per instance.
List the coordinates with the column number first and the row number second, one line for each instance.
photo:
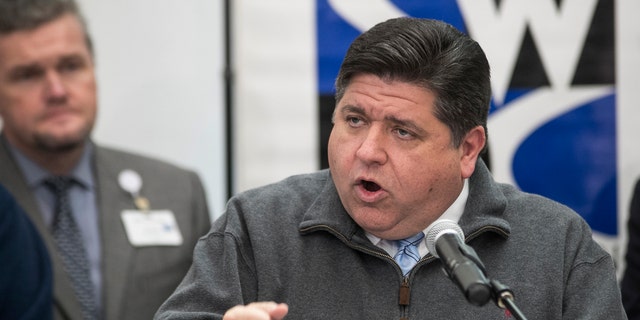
column 55, row 88
column 373, row 147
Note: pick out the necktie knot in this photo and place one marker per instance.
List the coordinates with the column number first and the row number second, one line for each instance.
column 59, row 185
column 411, row 241
column 408, row 255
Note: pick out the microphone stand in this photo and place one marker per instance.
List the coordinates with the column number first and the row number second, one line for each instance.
column 501, row 294
column 503, row 298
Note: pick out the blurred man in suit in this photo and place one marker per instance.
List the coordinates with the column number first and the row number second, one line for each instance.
column 25, row 270
column 630, row 285
column 120, row 228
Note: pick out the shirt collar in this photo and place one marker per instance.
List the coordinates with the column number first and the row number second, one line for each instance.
column 35, row 174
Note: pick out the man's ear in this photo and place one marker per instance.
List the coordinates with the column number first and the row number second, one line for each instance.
column 470, row 149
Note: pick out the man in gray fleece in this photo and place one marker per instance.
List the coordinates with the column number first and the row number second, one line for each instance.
column 412, row 99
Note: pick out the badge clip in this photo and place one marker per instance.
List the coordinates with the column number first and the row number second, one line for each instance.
column 131, row 182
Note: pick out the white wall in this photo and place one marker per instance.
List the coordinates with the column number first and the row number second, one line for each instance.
column 161, row 86
column 159, row 70
column 276, row 127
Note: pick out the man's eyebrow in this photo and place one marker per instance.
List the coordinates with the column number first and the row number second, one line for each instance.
column 72, row 57
column 352, row 109
column 346, row 109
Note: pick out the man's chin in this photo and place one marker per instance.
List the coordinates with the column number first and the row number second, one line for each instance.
column 59, row 145
column 373, row 220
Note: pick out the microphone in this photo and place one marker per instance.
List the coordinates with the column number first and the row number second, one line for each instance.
column 445, row 240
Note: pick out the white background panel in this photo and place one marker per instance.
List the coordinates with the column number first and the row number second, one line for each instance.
column 160, row 82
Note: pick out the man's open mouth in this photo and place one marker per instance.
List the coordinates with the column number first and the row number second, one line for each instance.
column 370, row 186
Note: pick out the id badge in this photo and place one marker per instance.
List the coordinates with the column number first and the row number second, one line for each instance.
column 151, row 228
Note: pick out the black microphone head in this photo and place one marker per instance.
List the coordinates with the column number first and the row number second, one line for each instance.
column 437, row 229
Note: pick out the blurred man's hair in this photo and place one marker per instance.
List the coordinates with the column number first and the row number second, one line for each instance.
column 23, row 15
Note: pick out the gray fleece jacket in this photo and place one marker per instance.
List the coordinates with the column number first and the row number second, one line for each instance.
column 294, row 242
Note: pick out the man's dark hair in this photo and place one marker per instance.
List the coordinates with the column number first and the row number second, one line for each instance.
column 431, row 54
column 20, row 15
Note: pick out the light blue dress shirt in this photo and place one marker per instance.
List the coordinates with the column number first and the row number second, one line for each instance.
column 83, row 203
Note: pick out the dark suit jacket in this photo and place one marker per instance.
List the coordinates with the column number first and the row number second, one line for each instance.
column 630, row 284
column 135, row 280
column 25, row 269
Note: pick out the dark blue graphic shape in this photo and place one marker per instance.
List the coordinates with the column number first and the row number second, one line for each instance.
column 572, row 159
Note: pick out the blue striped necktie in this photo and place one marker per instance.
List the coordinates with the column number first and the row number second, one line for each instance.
column 70, row 246
column 408, row 255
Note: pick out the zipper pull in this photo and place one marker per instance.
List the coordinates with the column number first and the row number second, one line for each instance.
column 405, row 292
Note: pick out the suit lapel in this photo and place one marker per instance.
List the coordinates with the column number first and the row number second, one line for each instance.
column 11, row 177
column 117, row 253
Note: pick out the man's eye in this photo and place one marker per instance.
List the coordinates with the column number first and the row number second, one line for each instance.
column 403, row 133
column 68, row 66
column 72, row 63
column 354, row 121
column 26, row 74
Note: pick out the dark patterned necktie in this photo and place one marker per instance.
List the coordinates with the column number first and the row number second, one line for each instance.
column 70, row 245
column 408, row 255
